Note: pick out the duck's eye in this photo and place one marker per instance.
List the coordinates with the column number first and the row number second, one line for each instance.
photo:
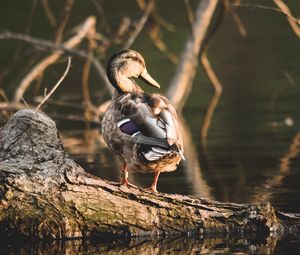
column 138, row 60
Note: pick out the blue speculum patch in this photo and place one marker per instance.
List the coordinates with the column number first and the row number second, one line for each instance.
column 129, row 128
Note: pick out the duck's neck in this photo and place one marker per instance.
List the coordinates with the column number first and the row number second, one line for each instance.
column 124, row 84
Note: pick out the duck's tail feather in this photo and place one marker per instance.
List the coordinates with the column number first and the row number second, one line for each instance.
column 153, row 152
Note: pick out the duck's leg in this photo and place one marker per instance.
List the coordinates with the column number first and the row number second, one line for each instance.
column 153, row 187
column 124, row 180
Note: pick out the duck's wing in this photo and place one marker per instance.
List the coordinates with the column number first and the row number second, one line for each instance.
column 152, row 121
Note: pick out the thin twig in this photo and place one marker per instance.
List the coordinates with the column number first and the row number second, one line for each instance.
column 3, row 95
column 31, row 15
column 236, row 18
column 37, row 84
column 49, row 13
column 159, row 19
column 102, row 16
column 155, row 35
column 24, row 102
column 163, row 22
column 140, row 24
column 63, row 21
column 56, row 85
column 123, row 27
column 268, row 8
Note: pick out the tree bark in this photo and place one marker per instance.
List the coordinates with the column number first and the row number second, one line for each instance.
column 45, row 194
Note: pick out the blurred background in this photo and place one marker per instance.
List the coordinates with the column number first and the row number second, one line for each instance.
column 242, row 145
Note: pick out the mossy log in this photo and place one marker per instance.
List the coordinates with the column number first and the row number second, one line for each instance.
column 45, row 194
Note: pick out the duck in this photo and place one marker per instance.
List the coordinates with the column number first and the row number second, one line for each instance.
column 141, row 128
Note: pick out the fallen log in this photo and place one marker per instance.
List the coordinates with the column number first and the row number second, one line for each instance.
column 45, row 194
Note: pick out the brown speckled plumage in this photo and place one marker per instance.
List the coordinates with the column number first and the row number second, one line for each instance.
column 141, row 128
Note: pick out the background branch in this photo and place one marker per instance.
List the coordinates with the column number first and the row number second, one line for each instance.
column 293, row 23
column 236, row 18
column 42, row 65
column 181, row 83
column 48, row 45
column 140, row 24
column 63, row 20
column 268, row 8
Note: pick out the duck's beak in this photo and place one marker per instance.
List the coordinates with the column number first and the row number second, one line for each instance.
column 147, row 78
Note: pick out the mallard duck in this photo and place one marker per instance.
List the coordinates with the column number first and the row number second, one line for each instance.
column 141, row 128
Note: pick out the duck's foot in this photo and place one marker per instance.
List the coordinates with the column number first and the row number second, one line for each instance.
column 125, row 177
column 125, row 182
column 152, row 189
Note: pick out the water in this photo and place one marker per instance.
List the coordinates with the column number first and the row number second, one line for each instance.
column 252, row 150
column 174, row 245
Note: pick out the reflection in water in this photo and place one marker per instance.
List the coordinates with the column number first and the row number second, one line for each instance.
column 215, row 99
column 264, row 193
column 192, row 167
column 163, row 245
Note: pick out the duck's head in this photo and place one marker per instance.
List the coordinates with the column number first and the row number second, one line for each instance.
column 123, row 67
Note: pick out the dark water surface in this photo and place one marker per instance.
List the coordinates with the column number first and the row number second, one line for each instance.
column 252, row 150
column 169, row 245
